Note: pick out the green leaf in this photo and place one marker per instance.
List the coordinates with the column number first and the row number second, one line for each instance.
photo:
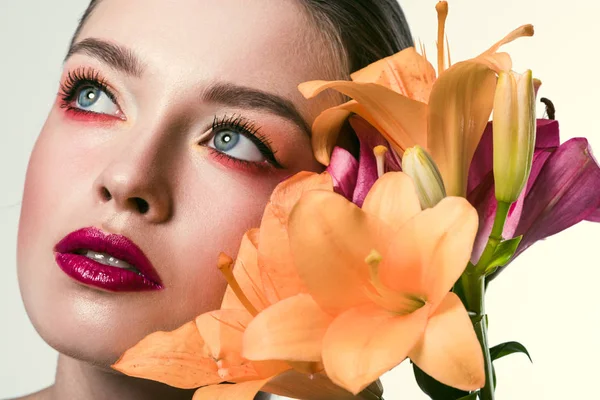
column 472, row 396
column 434, row 389
column 507, row 348
column 503, row 254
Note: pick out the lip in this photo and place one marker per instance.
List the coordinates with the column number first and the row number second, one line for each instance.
column 92, row 273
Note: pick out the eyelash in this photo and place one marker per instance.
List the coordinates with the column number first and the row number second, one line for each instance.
column 77, row 79
column 251, row 131
column 83, row 77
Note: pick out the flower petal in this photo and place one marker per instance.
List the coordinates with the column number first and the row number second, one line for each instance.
column 594, row 217
column 247, row 275
column 406, row 72
column 400, row 120
column 330, row 239
column 176, row 358
column 460, row 106
column 291, row 330
column 365, row 342
column 449, row 350
column 279, row 276
column 565, row 193
column 393, row 199
column 430, row 252
column 223, row 332
column 326, row 129
column 239, row 391
column 344, row 171
column 369, row 138
column 547, row 137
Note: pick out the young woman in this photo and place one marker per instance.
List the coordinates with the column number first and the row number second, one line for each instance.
column 174, row 122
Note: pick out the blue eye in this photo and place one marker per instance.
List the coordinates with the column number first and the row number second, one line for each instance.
column 236, row 145
column 93, row 99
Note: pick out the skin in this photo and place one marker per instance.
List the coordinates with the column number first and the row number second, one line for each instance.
column 199, row 204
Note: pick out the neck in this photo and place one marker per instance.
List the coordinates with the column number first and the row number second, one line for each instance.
column 77, row 379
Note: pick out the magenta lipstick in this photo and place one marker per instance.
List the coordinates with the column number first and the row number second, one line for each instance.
column 107, row 261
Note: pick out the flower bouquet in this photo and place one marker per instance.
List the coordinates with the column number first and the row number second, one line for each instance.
column 386, row 256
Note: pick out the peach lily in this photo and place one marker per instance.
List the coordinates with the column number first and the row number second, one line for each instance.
column 208, row 351
column 379, row 280
column 400, row 97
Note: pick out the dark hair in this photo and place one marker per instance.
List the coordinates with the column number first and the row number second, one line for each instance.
column 366, row 30
column 362, row 31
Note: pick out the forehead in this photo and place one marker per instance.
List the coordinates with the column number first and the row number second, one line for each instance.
column 267, row 44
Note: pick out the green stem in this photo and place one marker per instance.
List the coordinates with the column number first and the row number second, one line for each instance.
column 495, row 237
column 474, row 290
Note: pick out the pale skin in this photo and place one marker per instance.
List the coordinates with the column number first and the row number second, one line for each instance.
column 154, row 143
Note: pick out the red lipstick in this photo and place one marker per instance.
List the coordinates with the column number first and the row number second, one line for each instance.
column 107, row 261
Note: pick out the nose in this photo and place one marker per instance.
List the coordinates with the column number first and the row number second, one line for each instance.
column 135, row 182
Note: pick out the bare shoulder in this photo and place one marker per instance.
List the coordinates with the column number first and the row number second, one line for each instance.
column 41, row 395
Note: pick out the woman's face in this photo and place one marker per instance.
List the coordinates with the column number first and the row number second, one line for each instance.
column 175, row 121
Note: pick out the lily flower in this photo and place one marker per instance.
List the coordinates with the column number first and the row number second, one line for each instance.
column 401, row 98
column 208, row 351
column 379, row 281
column 514, row 124
column 563, row 189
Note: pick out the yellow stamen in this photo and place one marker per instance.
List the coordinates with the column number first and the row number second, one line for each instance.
column 522, row 31
column 442, row 12
column 225, row 264
column 448, row 51
column 379, row 152
column 395, row 302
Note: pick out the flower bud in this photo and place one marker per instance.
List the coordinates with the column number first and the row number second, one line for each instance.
column 419, row 165
column 514, row 133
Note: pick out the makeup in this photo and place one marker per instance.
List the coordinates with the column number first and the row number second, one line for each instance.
column 106, row 261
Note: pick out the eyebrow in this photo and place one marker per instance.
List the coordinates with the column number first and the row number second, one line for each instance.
column 123, row 59
column 249, row 98
column 116, row 56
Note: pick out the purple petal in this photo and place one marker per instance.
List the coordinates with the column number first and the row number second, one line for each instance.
column 343, row 169
column 566, row 192
column 483, row 198
column 368, row 137
column 594, row 217
column 547, row 137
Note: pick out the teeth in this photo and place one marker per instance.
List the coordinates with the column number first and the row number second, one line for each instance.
column 107, row 259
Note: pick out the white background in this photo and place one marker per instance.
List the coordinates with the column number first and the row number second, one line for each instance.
column 547, row 300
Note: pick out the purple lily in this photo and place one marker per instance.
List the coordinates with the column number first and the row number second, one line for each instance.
column 353, row 178
column 563, row 189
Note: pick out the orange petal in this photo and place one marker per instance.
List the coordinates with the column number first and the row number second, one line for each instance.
column 460, row 106
column 393, row 199
column 290, row 330
column 330, row 238
column 449, row 350
column 326, row 128
column 223, row 332
column 247, row 275
column 406, row 72
column 177, row 358
column 279, row 276
column 427, row 256
column 365, row 342
column 401, row 121
column 239, row 391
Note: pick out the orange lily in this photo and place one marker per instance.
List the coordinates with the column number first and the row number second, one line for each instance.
column 400, row 97
column 208, row 351
column 379, row 280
